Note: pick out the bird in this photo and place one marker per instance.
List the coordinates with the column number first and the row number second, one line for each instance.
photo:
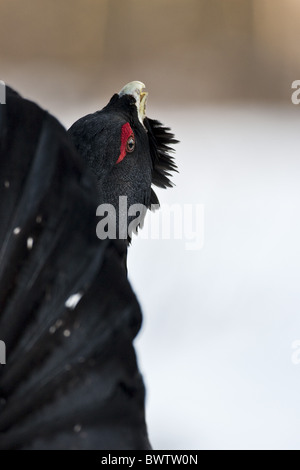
column 68, row 314
column 127, row 152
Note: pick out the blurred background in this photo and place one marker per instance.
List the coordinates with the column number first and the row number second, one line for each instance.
column 188, row 52
column 219, row 323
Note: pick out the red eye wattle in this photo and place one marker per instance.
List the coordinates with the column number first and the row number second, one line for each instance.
column 127, row 141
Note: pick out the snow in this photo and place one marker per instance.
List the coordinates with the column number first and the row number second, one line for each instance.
column 220, row 323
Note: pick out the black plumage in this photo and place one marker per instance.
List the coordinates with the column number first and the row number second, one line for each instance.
column 68, row 314
column 97, row 138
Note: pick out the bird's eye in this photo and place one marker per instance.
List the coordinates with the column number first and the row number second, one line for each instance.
column 130, row 146
column 127, row 142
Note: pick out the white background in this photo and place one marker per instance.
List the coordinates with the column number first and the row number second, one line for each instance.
column 219, row 323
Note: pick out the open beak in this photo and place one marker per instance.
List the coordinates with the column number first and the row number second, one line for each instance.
column 137, row 90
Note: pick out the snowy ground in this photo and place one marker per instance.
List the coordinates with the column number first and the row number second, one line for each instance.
column 219, row 323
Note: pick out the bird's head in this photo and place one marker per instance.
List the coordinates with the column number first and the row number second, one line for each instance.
column 126, row 151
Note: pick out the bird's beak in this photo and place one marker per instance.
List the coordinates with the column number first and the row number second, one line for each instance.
column 137, row 90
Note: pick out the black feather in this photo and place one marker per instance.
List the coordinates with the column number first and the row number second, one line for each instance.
column 151, row 162
column 71, row 380
column 161, row 140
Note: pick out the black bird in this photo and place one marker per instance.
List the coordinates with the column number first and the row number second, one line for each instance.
column 126, row 151
column 68, row 314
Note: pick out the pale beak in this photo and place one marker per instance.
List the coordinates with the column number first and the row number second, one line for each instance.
column 137, row 90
